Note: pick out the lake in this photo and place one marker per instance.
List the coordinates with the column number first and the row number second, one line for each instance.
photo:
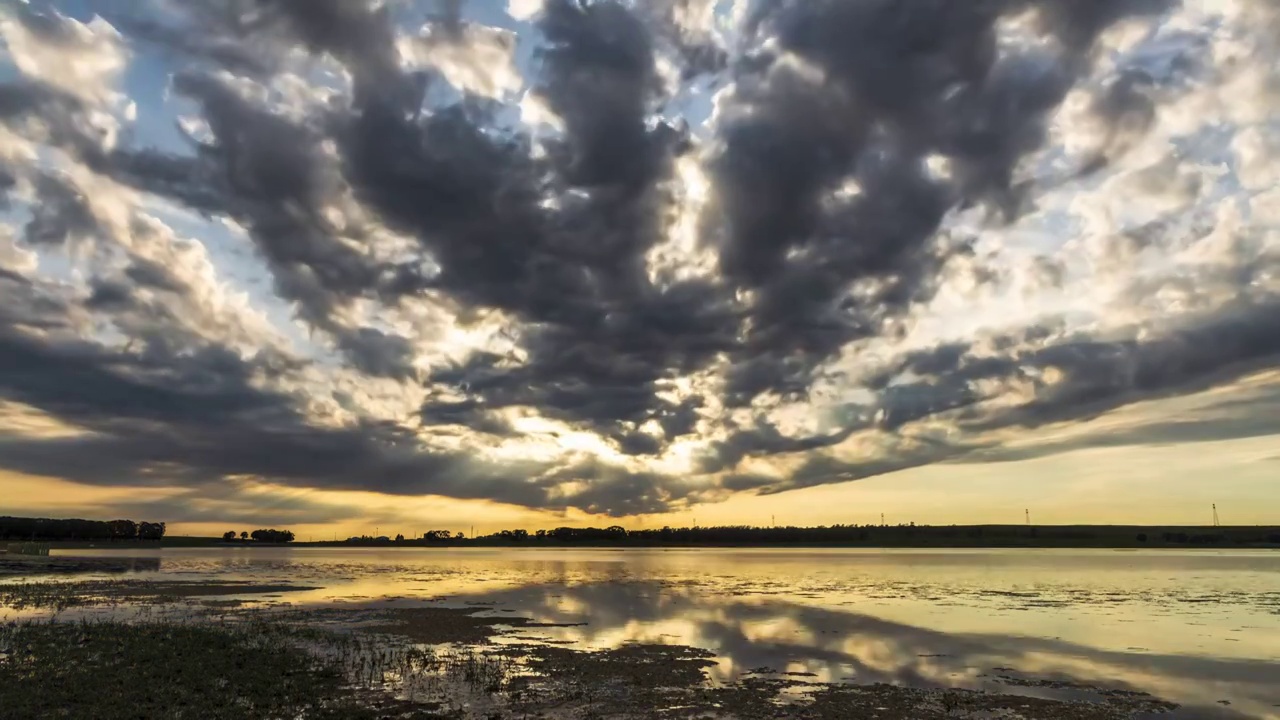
column 1200, row 628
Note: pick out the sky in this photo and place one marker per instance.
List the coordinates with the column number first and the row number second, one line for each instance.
column 348, row 266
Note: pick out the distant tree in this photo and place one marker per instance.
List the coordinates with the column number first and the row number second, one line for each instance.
column 151, row 531
column 244, row 535
column 520, row 535
column 541, row 534
column 437, row 535
column 272, row 536
column 228, row 536
column 399, row 538
column 123, row 529
column 1142, row 537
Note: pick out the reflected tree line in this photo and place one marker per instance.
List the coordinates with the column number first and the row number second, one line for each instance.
column 17, row 528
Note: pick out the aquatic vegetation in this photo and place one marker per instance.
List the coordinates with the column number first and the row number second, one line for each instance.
column 63, row 595
column 29, row 549
column 112, row 670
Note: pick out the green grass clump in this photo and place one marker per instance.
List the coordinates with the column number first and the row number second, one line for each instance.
column 111, row 671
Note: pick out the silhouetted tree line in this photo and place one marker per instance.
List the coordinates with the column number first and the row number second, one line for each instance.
column 431, row 537
column 16, row 528
column 906, row 534
column 264, row 536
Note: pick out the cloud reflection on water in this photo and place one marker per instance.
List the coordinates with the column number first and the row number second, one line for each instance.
column 1191, row 628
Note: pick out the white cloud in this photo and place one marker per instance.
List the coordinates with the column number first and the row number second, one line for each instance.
column 83, row 59
column 1257, row 154
column 524, row 9
column 477, row 59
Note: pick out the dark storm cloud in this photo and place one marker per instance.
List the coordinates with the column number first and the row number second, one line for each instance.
column 1077, row 376
column 601, row 337
column 825, row 218
column 196, row 418
column 269, row 173
column 600, row 78
column 890, row 84
column 108, row 294
column 765, row 439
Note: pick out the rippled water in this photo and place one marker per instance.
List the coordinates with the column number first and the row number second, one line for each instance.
column 1197, row 628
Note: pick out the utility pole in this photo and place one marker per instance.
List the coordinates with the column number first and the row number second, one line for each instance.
column 774, row 520
column 1028, row 516
column 1215, row 516
column 881, row 519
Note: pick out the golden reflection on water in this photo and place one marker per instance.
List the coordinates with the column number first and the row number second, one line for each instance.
column 1192, row 627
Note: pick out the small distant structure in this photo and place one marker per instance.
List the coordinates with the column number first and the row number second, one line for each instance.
column 1216, row 523
column 1028, row 516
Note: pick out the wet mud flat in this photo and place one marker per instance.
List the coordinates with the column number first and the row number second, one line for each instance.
column 240, row 660
column 23, row 595
column 34, row 565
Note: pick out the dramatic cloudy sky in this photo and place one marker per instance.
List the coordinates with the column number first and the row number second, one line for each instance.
column 332, row 264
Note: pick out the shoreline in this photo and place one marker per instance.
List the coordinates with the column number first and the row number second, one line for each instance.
column 435, row 662
column 1154, row 542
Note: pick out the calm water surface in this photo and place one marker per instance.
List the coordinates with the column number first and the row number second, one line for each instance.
column 1196, row 627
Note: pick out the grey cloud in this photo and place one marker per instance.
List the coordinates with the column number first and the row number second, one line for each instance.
column 1092, row 375
column 377, row 353
column 890, row 84
column 825, row 222
column 600, row 78
column 159, row 418
column 147, row 273
column 196, row 419
column 896, row 455
column 269, row 174
column 60, row 213
column 108, row 294
column 765, row 439
column 232, row 505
